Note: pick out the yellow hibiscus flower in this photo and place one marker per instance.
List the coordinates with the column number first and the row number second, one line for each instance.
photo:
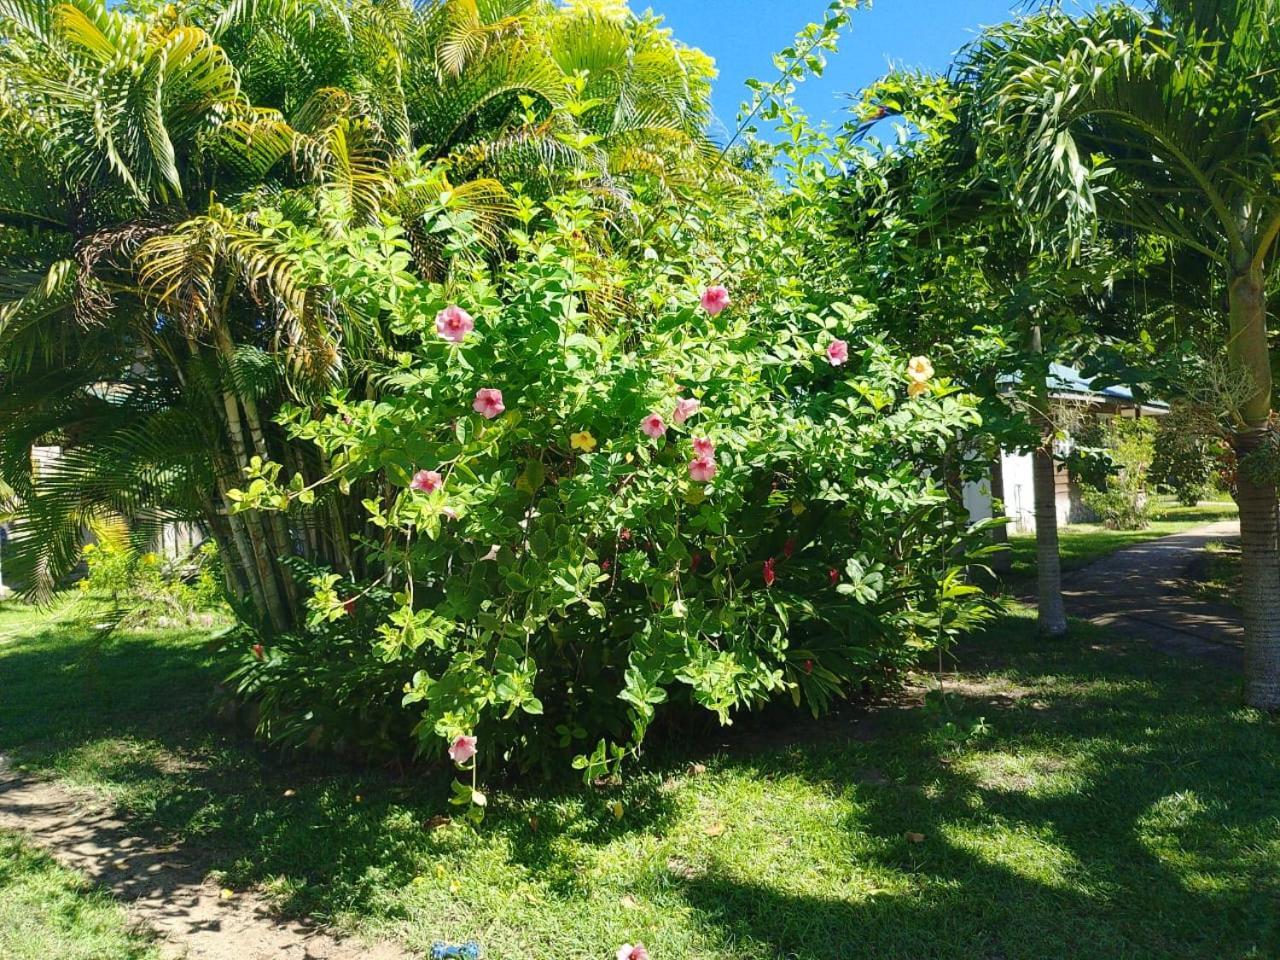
column 919, row 369
column 583, row 441
column 917, row 388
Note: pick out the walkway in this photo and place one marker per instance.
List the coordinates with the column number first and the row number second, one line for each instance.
column 1142, row 592
column 165, row 889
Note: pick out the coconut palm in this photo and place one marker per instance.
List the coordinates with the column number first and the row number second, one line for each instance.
column 1164, row 119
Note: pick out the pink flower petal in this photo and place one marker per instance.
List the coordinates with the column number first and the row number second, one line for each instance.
column 462, row 749
column 653, row 425
column 686, row 407
column 453, row 323
column 715, row 299
column 488, row 402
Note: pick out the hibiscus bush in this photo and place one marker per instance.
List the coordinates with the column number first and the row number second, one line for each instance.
column 606, row 490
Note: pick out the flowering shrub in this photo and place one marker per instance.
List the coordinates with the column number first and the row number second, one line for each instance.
column 714, row 496
column 147, row 588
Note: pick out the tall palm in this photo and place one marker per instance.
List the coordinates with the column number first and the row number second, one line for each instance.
column 1165, row 120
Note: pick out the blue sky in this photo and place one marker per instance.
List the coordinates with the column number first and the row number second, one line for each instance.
column 742, row 35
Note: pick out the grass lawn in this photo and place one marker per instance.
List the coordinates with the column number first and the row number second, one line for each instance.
column 1079, row 544
column 1085, row 799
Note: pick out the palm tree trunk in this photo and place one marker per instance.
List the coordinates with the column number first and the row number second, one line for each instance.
column 1001, row 562
column 1052, row 615
column 1256, row 495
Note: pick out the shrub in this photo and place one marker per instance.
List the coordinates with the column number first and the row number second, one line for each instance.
column 592, row 513
column 1122, row 503
column 145, row 587
column 1185, row 462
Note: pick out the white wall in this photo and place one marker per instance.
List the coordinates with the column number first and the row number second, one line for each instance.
column 1019, row 496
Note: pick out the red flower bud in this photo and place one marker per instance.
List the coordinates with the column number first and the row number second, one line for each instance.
column 834, row 574
column 350, row 607
column 789, row 547
column 768, row 572
column 695, row 561
column 808, row 666
column 259, row 652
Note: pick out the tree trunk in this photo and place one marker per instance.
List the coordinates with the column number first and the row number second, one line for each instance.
column 1256, row 495
column 1002, row 562
column 1052, row 615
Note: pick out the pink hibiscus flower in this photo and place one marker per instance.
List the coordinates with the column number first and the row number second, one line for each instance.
column 702, row 469
column 454, row 323
column 462, row 749
column 837, row 353
column 715, row 299
column 488, row 402
column 428, row 481
column 704, row 448
column 632, row 952
column 686, row 407
column 653, row 425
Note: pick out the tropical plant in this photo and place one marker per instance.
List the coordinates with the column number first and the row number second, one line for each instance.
column 584, row 515
column 152, row 323
column 1163, row 119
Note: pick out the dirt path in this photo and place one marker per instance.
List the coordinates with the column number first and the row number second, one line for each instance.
column 1143, row 592
column 164, row 888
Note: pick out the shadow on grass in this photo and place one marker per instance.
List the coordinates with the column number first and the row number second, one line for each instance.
column 134, row 716
column 1124, row 806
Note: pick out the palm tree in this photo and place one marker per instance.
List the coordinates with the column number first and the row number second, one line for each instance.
column 147, row 319
column 1164, row 120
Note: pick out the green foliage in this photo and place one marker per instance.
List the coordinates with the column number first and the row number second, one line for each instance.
column 1124, row 503
column 1185, row 463
column 567, row 577
column 146, row 588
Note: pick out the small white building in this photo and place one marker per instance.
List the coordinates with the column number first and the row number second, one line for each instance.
column 1066, row 386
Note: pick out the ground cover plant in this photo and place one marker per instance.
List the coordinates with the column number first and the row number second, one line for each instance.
column 1089, row 794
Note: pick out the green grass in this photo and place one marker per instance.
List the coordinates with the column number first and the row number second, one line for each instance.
column 1218, row 577
column 49, row 913
column 1113, row 804
column 1080, row 544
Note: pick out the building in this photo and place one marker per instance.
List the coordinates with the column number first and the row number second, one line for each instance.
column 1066, row 386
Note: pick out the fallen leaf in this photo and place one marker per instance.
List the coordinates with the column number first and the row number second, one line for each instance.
column 227, row 893
column 697, row 768
column 630, row 902
column 616, row 807
column 915, row 837
column 714, row 830
column 439, row 820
